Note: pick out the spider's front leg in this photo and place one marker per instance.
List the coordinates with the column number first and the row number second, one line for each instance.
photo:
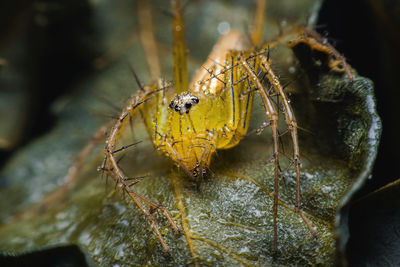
column 265, row 66
column 110, row 165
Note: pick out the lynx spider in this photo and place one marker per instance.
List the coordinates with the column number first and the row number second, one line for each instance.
column 189, row 123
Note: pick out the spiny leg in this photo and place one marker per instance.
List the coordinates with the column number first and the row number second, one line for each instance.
column 308, row 36
column 147, row 38
column 315, row 41
column 292, row 125
column 273, row 123
column 256, row 33
column 111, row 167
column 179, row 48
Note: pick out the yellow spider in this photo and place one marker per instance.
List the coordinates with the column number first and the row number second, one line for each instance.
column 189, row 123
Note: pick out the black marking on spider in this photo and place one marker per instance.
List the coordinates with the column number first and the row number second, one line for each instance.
column 182, row 103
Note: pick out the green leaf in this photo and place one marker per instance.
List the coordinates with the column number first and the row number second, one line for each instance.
column 228, row 219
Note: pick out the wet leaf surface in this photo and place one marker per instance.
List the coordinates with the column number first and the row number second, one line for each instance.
column 227, row 220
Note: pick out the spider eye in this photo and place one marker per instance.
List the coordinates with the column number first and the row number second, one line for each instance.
column 171, row 105
column 177, row 108
column 188, row 105
column 195, row 100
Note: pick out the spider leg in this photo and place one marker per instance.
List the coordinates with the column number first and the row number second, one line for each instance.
column 292, row 125
column 111, row 167
column 147, row 38
column 179, row 47
column 256, row 34
column 337, row 62
column 273, row 122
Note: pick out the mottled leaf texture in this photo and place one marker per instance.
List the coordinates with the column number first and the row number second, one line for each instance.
column 227, row 220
